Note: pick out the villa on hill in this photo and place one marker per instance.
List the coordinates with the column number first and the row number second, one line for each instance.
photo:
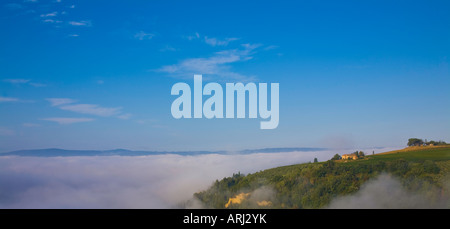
column 349, row 156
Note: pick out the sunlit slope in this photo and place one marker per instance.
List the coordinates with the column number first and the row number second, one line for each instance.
column 416, row 153
column 423, row 171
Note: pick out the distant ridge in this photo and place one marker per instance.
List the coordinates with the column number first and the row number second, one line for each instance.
column 54, row 152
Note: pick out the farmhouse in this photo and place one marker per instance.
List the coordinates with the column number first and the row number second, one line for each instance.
column 349, row 156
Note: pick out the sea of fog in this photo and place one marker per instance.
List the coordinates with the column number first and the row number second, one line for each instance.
column 154, row 181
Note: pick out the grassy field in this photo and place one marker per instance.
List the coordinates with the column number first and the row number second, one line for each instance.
column 435, row 153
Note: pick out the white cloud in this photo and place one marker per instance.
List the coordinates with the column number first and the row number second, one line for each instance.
column 141, row 35
column 51, row 21
column 8, row 99
column 16, row 81
column 60, row 101
column 211, row 40
column 125, row 116
column 271, row 47
column 65, row 121
column 217, row 65
column 25, row 81
column 217, row 42
column 52, row 14
column 192, row 37
column 11, row 99
column 92, row 109
column 159, row 181
column 37, row 84
column 168, row 48
column 86, row 23
column 27, row 124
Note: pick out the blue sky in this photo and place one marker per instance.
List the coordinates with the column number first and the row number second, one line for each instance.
column 98, row 74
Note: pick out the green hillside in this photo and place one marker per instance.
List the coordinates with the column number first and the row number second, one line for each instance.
column 437, row 153
column 423, row 171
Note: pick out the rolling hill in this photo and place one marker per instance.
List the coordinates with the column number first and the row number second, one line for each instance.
column 422, row 171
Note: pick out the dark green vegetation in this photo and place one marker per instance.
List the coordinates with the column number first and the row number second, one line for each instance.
column 420, row 142
column 423, row 171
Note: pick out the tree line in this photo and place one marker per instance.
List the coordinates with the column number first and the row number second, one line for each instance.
column 421, row 142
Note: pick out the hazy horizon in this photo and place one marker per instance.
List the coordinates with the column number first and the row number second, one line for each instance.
column 218, row 151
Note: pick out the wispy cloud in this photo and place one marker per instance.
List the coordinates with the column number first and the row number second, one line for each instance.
column 86, row 23
column 68, row 104
column 8, row 99
column 16, row 81
column 50, row 18
column 11, row 99
column 27, row 124
column 212, row 41
column 66, row 121
column 168, row 48
column 52, row 21
column 92, row 109
column 60, row 101
column 37, row 84
column 271, row 47
column 52, row 14
column 217, row 65
column 24, row 81
column 141, row 35
column 125, row 116
column 192, row 37
column 217, row 42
